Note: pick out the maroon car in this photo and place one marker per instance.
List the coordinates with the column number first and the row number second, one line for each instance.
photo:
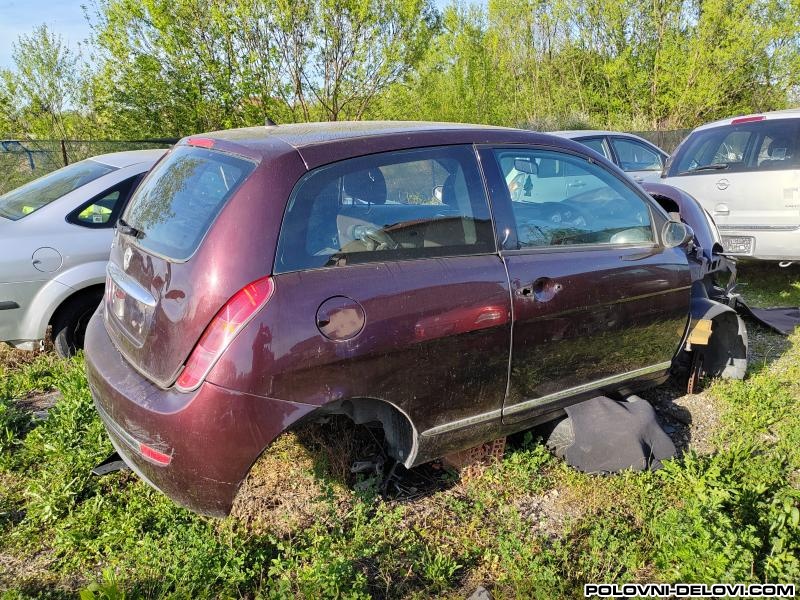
column 454, row 283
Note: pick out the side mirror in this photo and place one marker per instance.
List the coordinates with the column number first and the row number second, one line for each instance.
column 676, row 233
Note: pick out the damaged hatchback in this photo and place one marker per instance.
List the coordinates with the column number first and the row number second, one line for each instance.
column 451, row 283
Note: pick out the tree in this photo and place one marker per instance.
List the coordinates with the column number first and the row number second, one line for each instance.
column 338, row 56
column 171, row 68
column 43, row 90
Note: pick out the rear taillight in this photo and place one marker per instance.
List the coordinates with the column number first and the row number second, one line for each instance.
column 228, row 322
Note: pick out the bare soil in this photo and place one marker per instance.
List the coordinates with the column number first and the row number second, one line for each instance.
column 12, row 359
column 302, row 475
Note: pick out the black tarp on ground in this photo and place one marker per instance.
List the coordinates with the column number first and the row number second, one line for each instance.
column 783, row 320
column 611, row 436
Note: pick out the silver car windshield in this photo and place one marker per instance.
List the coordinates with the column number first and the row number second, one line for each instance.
column 40, row 192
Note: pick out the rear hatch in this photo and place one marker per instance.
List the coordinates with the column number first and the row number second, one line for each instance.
column 170, row 271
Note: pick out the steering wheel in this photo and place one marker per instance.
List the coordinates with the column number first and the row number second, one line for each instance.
column 563, row 213
column 377, row 239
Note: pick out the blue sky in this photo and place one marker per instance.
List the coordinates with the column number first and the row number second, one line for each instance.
column 21, row 16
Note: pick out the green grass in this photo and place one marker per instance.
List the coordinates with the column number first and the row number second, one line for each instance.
column 526, row 527
column 768, row 285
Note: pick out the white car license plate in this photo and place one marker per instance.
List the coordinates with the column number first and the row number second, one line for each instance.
column 738, row 244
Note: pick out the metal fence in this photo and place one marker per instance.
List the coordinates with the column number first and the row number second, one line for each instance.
column 666, row 140
column 22, row 160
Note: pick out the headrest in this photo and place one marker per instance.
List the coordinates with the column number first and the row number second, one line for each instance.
column 780, row 148
column 548, row 167
column 449, row 191
column 368, row 185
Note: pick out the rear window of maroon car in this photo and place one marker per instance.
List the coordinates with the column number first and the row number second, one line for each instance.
column 388, row 206
column 177, row 203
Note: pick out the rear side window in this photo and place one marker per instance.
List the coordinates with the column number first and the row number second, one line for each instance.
column 389, row 206
column 101, row 211
column 39, row 193
column 597, row 144
column 636, row 156
column 177, row 203
column 762, row 145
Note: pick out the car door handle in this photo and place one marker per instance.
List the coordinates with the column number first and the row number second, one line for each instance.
column 542, row 290
column 576, row 184
column 638, row 179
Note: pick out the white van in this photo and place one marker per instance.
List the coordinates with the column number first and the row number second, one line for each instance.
column 746, row 172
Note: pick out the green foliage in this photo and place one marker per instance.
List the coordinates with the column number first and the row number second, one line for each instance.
column 40, row 95
column 604, row 63
column 176, row 68
column 191, row 65
column 732, row 515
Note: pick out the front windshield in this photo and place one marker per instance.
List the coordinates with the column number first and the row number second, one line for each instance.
column 40, row 192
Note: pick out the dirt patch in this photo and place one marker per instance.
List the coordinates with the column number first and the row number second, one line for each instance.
column 12, row 359
column 548, row 513
column 39, row 404
column 306, row 476
column 765, row 346
column 33, row 576
column 690, row 420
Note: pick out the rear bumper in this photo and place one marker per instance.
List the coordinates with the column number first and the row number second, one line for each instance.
column 212, row 435
column 775, row 245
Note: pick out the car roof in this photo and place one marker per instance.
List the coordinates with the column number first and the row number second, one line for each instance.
column 573, row 133
column 579, row 133
column 789, row 113
column 301, row 135
column 128, row 158
column 323, row 143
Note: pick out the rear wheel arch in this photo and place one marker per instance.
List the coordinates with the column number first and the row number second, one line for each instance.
column 400, row 434
column 399, row 431
column 74, row 306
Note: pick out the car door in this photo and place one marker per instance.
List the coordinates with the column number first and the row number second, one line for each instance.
column 638, row 159
column 390, row 262
column 596, row 298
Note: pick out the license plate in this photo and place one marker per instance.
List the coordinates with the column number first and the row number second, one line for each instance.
column 737, row 244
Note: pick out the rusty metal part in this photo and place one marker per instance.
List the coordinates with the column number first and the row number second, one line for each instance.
column 695, row 372
column 481, row 454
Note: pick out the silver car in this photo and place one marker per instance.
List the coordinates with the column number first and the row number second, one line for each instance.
column 636, row 156
column 746, row 172
column 55, row 239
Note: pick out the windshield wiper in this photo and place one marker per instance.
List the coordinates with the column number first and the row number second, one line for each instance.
column 125, row 229
column 714, row 167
